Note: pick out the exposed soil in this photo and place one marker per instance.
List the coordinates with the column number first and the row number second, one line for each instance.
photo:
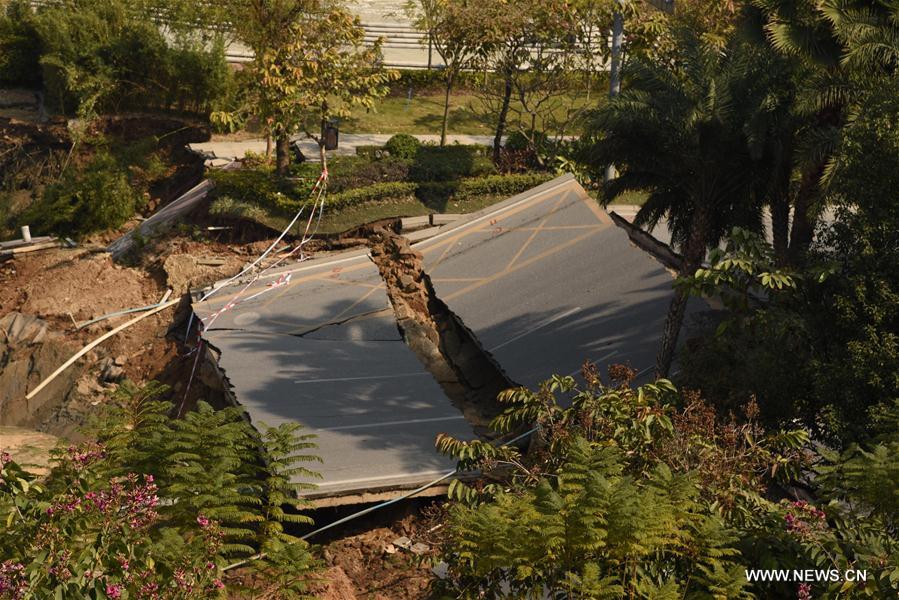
column 64, row 286
column 31, row 449
column 376, row 559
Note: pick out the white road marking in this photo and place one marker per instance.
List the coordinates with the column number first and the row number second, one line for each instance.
column 389, row 423
column 395, row 375
column 546, row 322
column 385, row 478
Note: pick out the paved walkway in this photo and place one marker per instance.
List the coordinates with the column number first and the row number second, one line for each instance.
column 232, row 150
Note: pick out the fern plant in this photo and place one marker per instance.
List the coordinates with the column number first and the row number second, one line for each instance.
column 157, row 501
column 619, row 494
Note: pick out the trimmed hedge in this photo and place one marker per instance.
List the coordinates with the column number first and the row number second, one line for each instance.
column 433, row 191
column 493, row 185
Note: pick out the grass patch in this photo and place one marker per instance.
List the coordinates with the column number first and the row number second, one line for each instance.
column 631, row 198
column 423, row 114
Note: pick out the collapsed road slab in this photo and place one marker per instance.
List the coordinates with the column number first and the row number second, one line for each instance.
column 545, row 281
column 325, row 351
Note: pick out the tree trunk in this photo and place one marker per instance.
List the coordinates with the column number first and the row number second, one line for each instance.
column 780, row 225
column 323, row 156
column 501, row 123
column 694, row 252
column 804, row 218
column 268, row 146
column 446, row 106
column 282, row 154
column 615, row 74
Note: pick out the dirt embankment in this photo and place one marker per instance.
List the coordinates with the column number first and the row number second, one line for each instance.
column 54, row 290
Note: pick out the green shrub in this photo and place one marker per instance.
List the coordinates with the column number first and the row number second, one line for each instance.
column 372, row 193
column 516, row 141
column 107, row 56
column 493, row 185
column 19, row 47
column 98, row 198
column 262, row 187
column 403, row 145
column 351, row 172
column 436, row 163
column 153, row 503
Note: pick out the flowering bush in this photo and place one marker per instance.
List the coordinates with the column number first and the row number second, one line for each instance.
column 151, row 511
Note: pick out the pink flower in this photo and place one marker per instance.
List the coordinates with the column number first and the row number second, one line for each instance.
column 805, row 592
column 113, row 590
column 218, row 584
column 202, row 521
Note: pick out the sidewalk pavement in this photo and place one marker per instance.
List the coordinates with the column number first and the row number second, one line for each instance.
column 228, row 150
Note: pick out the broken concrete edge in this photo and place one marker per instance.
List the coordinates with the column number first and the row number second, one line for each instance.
column 316, row 499
column 661, row 251
column 525, row 196
column 162, row 218
column 198, row 295
column 331, row 499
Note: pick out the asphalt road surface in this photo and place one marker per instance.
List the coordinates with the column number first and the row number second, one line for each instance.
column 544, row 280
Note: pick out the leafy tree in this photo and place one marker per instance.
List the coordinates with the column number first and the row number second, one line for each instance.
column 817, row 343
column 317, row 74
column 452, row 29
column 530, row 48
column 845, row 48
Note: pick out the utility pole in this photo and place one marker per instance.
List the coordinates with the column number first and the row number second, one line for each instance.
column 615, row 69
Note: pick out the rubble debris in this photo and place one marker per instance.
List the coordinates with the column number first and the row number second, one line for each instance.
column 95, row 343
column 185, row 272
column 52, row 284
column 28, row 447
column 29, row 350
column 449, row 351
column 337, row 586
column 110, row 372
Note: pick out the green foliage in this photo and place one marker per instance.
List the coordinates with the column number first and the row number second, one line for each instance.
column 619, row 494
column 820, row 344
column 95, row 198
column 446, row 163
column 19, row 46
column 358, row 180
column 402, row 145
column 108, row 55
column 159, row 504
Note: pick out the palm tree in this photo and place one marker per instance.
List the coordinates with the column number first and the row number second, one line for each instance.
column 677, row 132
column 841, row 47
